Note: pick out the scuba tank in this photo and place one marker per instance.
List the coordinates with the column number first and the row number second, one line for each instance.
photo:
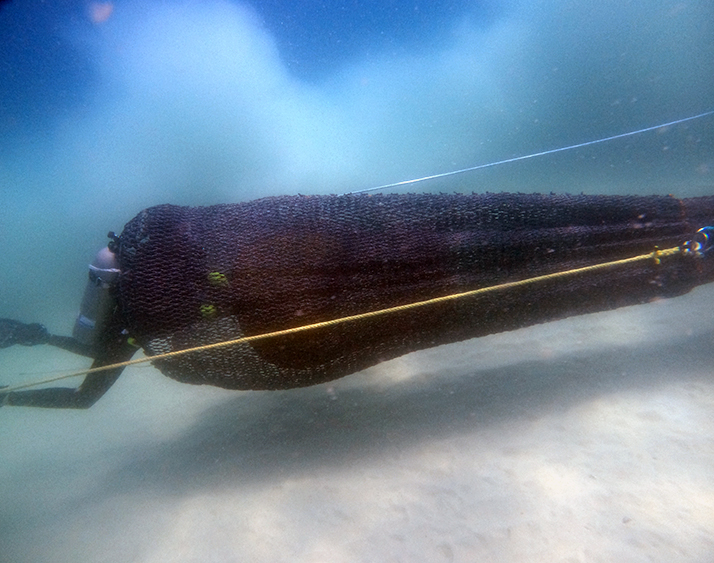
column 99, row 298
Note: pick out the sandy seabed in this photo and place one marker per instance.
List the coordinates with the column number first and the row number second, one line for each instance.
column 589, row 439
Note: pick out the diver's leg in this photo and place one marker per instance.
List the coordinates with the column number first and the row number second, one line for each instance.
column 72, row 345
column 82, row 397
column 15, row 332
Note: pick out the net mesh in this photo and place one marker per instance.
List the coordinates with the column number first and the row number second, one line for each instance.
column 200, row 275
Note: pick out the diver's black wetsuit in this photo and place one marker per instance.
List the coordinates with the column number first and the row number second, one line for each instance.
column 115, row 349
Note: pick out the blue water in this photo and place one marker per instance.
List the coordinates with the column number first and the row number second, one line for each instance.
column 107, row 108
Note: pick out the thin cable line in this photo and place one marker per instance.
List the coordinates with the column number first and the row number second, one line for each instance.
column 517, row 158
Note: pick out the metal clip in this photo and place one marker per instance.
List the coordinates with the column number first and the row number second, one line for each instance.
column 703, row 240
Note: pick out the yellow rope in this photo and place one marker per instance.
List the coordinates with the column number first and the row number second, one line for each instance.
column 656, row 256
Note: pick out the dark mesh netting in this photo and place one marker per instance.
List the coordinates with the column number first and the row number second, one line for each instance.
column 199, row 275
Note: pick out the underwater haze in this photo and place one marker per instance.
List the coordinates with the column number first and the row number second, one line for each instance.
column 108, row 108
column 590, row 439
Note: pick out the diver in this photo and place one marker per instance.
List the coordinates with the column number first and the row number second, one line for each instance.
column 97, row 334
